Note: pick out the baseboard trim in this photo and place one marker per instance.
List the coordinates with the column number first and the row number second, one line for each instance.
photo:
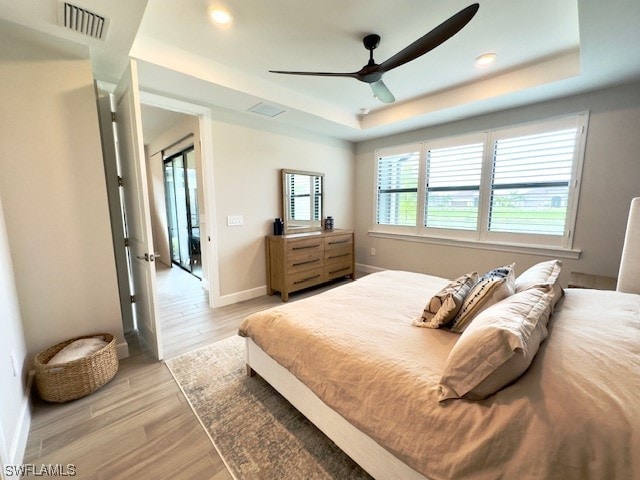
column 122, row 349
column 260, row 291
column 20, row 436
column 368, row 268
column 240, row 296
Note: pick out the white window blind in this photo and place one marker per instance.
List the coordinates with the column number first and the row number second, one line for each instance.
column 517, row 185
column 453, row 177
column 397, row 189
column 317, row 197
column 531, row 181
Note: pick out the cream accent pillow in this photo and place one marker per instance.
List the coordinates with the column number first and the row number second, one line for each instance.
column 490, row 288
column 444, row 305
column 543, row 273
column 78, row 349
column 498, row 346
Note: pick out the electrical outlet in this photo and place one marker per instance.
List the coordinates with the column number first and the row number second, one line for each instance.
column 235, row 220
column 373, row 252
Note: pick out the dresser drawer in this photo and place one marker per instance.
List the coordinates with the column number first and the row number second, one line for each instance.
column 304, row 245
column 340, row 254
column 304, row 279
column 305, row 260
column 337, row 270
column 338, row 241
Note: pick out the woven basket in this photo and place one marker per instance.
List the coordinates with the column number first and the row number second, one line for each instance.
column 71, row 380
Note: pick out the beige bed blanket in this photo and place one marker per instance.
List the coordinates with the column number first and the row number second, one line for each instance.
column 575, row 414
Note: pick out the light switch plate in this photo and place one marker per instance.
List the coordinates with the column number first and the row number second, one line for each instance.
column 235, row 220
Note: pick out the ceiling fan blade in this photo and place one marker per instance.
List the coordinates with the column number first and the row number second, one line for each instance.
column 381, row 92
column 431, row 40
column 317, row 74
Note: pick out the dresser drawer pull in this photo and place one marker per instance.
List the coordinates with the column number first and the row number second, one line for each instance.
column 305, row 247
column 339, row 241
column 340, row 256
column 306, row 279
column 339, row 270
column 305, row 263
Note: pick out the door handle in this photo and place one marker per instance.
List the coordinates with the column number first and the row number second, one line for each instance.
column 148, row 257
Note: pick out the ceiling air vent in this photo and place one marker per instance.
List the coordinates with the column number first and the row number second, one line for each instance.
column 82, row 21
column 266, row 109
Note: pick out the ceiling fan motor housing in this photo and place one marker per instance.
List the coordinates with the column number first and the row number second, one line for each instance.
column 371, row 41
column 370, row 73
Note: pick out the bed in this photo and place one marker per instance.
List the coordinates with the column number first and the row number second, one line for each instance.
column 352, row 360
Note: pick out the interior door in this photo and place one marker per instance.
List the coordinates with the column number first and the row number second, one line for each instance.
column 136, row 207
column 115, row 209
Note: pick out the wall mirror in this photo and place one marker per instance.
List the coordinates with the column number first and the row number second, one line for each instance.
column 302, row 201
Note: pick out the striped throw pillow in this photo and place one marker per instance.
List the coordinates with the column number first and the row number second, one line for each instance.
column 490, row 288
column 444, row 305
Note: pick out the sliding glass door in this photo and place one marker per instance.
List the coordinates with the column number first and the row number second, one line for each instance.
column 182, row 211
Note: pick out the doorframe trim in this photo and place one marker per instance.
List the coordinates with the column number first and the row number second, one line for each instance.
column 205, row 123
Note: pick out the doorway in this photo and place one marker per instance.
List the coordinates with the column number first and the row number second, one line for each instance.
column 176, row 149
column 183, row 221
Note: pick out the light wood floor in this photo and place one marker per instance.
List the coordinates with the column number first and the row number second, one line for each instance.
column 188, row 322
column 140, row 426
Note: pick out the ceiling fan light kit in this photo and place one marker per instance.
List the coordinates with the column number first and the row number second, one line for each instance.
column 372, row 72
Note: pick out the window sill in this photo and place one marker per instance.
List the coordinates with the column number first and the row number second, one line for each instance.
column 503, row 247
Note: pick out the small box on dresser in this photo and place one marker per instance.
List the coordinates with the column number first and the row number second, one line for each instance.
column 302, row 260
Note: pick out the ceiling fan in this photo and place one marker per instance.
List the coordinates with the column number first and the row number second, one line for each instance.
column 372, row 72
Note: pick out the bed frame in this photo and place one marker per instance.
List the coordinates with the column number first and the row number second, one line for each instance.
column 365, row 451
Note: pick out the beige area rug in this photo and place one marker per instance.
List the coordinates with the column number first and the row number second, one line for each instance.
column 257, row 432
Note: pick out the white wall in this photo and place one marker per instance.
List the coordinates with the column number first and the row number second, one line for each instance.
column 248, row 156
column 15, row 415
column 53, row 190
column 611, row 177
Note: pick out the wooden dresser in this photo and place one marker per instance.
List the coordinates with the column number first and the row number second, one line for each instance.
column 303, row 260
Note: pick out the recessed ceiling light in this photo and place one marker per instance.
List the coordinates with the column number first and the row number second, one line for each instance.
column 221, row 16
column 364, row 111
column 486, row 59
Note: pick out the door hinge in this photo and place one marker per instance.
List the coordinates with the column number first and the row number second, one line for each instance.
column 113, row 117
column 133, row 298
column 126, row 242
column 120, row 182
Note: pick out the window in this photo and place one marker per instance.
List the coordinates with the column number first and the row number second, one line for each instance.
column 453, row 176
column 517, row 185
column 530, row 184
column 398, row 177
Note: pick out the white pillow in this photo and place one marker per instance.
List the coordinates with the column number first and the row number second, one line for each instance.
column 543, row 273
column 80, row 348
column 498, row 346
